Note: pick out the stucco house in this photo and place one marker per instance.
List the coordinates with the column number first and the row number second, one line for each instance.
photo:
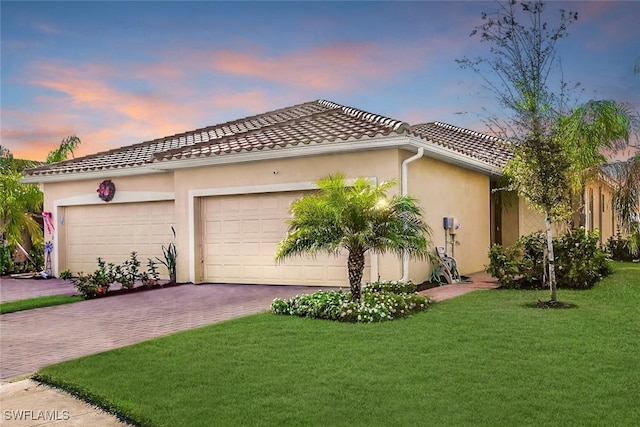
column 226, row 189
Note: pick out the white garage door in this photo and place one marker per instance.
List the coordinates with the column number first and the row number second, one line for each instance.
column 113, row 231
column 240, row 237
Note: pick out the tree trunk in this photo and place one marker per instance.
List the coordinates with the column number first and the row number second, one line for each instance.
column 355, row 265
column 551, row 259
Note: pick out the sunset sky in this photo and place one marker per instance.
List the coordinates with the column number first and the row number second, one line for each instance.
column 117, row 73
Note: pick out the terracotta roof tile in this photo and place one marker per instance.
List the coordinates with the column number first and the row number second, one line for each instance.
column 310, row 123
column 486, row 148
column 316, row 121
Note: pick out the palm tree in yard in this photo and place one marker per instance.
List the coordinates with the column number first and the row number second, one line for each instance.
column 21, row 204
column 358, row 218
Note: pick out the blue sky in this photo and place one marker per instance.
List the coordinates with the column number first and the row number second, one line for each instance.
column 117, row 73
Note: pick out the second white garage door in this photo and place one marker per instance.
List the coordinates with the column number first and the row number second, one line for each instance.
column 240, row 236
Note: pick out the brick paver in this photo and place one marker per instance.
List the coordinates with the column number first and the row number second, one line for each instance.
column 32, row 339
column 17, row 289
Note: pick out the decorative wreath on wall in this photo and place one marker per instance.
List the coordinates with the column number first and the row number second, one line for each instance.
column 106, row 190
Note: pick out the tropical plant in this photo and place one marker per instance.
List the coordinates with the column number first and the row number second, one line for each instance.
column 554, row 145
column 66, row 148
column 358, row 218
column 19, row 203
column 22, row 203
column 170, row 256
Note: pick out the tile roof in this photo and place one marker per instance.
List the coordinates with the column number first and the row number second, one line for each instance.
column 489, row 149
column 310, row 123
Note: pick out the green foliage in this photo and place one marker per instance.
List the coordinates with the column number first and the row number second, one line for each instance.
column 393, row 286
column 128, row 272
column 358, row 218
column 504, row 265
column 580, row 261
column 554, row 144
column 37, row 256
column 170, row 257
column 151, row 276
column 496, row 361
column 97, row 284
column 6, row 259
column 620, row 248
column 39, row 302
column 20, row 205
column 34, row 263
column 66, row 148
column 90, row 285
column 380, row 301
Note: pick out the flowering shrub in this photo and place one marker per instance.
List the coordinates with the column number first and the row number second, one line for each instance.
column 393, row 286
column 377, row 304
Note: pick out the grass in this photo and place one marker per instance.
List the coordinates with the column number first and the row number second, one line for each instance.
column 31, row 303
column 484, row 358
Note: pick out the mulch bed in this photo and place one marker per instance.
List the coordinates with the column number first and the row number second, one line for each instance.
column 140, row 288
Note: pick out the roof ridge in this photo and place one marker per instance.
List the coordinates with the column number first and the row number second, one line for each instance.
column 469, row 132
column 220, row 125
column 396, row 125
column 168, row 139
column 221, row 140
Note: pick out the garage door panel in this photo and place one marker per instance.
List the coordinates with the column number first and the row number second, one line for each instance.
column 241, row 236
column 112, row 232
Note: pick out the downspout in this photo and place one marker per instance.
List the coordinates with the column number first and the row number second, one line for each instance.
column 404, row 188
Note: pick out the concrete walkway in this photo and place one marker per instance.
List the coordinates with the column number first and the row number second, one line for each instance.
column 30, row 340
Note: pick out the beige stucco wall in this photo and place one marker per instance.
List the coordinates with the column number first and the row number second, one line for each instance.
column 520, row 219
column 442, row 190
column 382, row 165
column 603, row 217
column 84, row 192
column 445, row 190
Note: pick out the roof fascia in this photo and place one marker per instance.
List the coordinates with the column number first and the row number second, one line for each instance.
column 438, row 152
column 286, row 152
column 100, row 174
column 398, row 141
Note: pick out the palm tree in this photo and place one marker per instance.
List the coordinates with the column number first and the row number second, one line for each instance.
column 66, row 148
column 359, row 218
column 18, row 202
column 22, row 203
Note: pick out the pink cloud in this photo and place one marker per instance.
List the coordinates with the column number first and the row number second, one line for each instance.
column 335, row 67
column 89, row 99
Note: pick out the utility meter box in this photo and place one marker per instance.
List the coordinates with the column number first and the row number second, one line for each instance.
column 448, row 223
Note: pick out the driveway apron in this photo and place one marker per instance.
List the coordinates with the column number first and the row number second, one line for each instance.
column 33, row 339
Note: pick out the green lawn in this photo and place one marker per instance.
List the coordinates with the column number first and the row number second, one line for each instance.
column 28, row 304
column 480, row 359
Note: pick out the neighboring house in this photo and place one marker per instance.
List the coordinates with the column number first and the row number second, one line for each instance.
column 594, row 211
column 226, row 189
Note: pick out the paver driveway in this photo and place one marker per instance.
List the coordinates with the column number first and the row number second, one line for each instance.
column 32, row 339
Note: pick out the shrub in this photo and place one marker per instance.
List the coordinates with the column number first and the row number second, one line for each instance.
column 579, row 260
column 392, row 286
column 504, row 265
column 6, row 259
column 619, row 248
column 380, row 301
column 128, row 273
column 91, row 285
